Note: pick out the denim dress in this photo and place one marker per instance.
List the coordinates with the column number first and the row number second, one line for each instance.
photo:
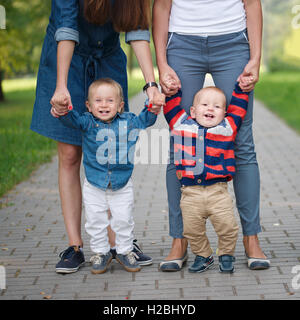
column 97, row 54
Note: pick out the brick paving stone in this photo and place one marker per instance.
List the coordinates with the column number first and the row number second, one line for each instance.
column 32, row 232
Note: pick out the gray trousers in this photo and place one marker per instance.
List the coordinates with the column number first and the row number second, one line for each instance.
column 224, row 57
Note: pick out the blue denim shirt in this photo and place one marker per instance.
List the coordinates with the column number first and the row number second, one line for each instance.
column 108, row 148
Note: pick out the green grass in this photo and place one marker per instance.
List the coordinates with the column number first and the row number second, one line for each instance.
column 279, row 91
column 23, row 150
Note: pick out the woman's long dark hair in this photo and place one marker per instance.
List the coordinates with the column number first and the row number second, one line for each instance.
column 126, row 15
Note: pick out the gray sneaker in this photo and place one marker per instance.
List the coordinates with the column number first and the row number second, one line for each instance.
column 128, row 261
column 100, row 262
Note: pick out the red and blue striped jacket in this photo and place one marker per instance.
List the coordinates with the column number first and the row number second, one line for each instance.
column 204, row 156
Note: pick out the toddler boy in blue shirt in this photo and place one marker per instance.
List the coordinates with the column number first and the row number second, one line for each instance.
column 109, row 137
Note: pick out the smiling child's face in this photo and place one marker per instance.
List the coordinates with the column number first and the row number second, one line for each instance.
column 104, row 102
column 209, row 107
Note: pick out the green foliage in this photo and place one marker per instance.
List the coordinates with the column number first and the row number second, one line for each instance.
column 279, row 91
column 277, row 28
column 277, row 64
column 21, row 41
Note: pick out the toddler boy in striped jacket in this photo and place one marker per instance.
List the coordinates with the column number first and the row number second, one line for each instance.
column 204, row 159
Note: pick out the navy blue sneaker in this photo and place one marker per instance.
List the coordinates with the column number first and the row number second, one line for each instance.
column 71, row 260
column 201, row 264
column 226, row 263
column 141, row 258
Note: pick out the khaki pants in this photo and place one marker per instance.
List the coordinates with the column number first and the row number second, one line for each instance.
column 214, row 202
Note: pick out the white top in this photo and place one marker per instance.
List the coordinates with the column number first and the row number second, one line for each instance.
column 207, row 17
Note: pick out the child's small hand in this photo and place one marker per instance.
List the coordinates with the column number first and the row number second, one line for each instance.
column 154, row 109
column 56, row 115
column 246, row 80
column 156, row 100
column 250, row 75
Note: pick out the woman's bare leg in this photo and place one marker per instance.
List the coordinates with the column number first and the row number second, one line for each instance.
column 252, row 247
column 70, row 190
column 179, row 247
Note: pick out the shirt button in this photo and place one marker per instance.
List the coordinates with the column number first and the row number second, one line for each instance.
column 201, row 138
column 200, row 160
column 109, row 172
column 99, row 43
column 199, row 181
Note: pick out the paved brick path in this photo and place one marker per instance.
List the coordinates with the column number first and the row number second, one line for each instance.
column 32, row 234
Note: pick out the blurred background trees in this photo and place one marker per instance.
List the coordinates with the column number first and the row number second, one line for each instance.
column 21, row 41
column 281, row 41
column 26, row 22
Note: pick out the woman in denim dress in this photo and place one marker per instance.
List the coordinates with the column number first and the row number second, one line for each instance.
column 82, row 44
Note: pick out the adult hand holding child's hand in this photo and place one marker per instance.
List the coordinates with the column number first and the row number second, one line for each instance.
column 60, row 102
column 250, row 75
column 169, row 81
column 156, row 100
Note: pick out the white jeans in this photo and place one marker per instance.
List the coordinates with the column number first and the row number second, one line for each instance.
column 120, row 203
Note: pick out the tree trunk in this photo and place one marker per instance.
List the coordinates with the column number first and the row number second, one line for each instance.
column 1, row 90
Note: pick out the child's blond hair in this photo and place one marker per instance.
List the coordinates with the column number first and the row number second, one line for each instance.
column 198, row 94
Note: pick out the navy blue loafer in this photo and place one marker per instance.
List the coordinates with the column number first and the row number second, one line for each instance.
column 258, row 263
column 173, row 265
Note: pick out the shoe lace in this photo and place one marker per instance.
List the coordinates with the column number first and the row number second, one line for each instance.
column 67, row 253
column 96, row 259
column 136, row 247
column 132, row 257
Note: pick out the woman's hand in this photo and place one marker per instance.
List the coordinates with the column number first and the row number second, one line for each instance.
column 169, row 80
column 250, row 75
column 156, row 99
column 60, row 102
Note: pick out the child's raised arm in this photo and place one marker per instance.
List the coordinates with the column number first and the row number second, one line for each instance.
column 237, row 108
column 173, row 112
column 74, row 120
column 145, row 119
